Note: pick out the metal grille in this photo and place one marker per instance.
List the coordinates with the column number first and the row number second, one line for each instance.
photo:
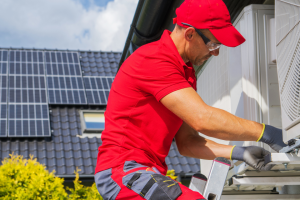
column 288, row 58
column 291, row 87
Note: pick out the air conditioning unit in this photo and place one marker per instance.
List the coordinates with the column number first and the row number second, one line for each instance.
column 288, row 65
column 243, row 80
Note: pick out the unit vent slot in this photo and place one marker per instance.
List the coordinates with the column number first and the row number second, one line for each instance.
column 291, row 87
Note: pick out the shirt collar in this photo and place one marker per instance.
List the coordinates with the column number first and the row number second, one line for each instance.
column 165, row 38
column 188, row 67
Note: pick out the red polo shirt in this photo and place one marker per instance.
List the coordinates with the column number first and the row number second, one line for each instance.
column 137, row 126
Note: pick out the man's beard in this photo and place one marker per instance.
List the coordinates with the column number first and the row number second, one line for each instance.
column 200, row 61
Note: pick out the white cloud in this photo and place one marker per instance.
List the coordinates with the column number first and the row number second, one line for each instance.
column 65, row 24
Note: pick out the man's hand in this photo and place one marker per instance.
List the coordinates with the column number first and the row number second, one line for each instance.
column 273, row 137
column 252, row 155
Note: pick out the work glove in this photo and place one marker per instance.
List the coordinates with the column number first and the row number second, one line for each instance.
column 273, row 137
column 252, row 155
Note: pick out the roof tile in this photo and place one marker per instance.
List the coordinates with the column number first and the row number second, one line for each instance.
column 89, row 170
column 50, row 154
column 66, row 132
column 50, row 169
column 24, row 145
column 85, row 146
column 4, row 154
column 78, row 162
column 61, row 170
column 60, row 162
column 70, row 170
column 58, row 147
column 67, row 146
column 75, row 140
column 186, row 168
column 76, row 147
column 86, row 154
column 93, row 62
column 42, row 160
column 5, row 146
column 69, row 154
column 67, row 139
column 70, row 162
column 87, row 162
column 24, row 154
column 55, row 119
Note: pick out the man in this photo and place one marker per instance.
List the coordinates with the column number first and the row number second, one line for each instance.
column 153, row 99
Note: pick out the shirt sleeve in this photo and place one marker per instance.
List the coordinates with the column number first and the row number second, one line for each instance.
column 162, row 78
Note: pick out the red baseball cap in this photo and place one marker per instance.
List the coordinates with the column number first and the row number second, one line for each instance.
column 212, row 15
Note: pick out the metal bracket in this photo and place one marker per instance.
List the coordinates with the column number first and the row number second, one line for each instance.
column 276, row 181
column 282, row 158
column 291, row 148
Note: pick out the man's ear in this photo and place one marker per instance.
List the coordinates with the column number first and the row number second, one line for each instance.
column 189, row 34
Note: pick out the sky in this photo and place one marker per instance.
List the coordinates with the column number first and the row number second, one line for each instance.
column 100, row 25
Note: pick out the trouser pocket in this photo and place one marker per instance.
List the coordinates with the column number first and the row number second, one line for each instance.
column 152, row 186
column 106, row 186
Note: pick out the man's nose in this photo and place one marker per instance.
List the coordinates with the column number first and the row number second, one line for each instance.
column 215, row 52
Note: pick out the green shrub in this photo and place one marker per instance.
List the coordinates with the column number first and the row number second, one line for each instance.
column 26, row 179
column 83, row 192
column 171, row 174
column 22, row 179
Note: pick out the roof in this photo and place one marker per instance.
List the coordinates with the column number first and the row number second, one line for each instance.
column 99, row 63
column 64, row 151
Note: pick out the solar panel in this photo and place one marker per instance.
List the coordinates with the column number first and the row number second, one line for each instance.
column 64, row 78
column 3, row 92
column 97, row 89
column 28, row 111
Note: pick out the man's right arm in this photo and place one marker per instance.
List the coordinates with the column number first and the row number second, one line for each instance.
column 213, row 122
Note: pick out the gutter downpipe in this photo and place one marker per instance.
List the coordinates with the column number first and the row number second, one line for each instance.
column 133, row 24
column 147, row 25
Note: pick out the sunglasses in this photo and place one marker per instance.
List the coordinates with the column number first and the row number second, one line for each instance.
column 210, row 45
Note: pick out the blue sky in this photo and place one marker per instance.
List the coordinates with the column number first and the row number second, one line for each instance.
column 66, row 24
column 88, row 3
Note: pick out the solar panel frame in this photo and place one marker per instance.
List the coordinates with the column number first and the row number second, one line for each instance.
column 64, row 78
column 4, row 92
column 97, row 89
column 28, row 109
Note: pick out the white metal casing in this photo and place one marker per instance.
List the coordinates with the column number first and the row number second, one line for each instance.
column 288, row 64
column 243, row 80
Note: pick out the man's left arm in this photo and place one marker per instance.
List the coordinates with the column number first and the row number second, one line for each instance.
column 191, row 144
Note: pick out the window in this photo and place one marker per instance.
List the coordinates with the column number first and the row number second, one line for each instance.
column 92, row 121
